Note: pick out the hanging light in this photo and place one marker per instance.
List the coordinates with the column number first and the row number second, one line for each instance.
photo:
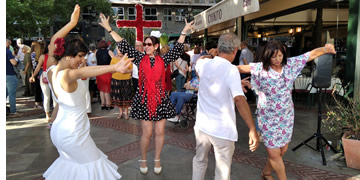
column 298, row 29
column 259, row 35
column 291, row 31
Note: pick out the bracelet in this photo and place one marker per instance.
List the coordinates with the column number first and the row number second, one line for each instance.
column 182, row 33
column 110, row 31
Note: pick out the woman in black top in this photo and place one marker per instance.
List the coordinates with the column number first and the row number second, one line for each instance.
column 104, row 81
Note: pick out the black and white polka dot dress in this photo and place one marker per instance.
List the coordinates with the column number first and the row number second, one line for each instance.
column 139, row 110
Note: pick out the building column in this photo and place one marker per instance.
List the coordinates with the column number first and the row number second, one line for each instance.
column 352, row 62
column 318, row 28
column 357, row 61
column 205, row 39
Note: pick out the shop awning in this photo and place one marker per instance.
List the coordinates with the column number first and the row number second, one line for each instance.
column 224, row 11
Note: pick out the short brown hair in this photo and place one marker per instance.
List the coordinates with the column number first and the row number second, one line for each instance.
column 102, row 44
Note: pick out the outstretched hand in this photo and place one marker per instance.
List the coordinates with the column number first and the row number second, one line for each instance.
column 188, row 26
column 329, row 48
column 104, row 22
column 245, row 83
column 75, row 15
column 123, row 66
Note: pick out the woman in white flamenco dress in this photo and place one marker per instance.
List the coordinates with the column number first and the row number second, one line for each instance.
column 79, row 158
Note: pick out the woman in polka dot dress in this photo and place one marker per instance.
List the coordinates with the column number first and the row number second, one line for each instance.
column 272, row 80
column 150, row 103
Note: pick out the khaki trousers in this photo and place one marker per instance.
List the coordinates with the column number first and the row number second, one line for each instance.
column 223, row 149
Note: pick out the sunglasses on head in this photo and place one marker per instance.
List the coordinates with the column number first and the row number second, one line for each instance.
column 148, row 44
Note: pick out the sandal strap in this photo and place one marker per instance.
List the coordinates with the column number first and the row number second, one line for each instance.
column 141, row 160
column 157, row 160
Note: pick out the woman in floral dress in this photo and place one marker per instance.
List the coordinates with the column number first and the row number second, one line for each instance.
column 150, row 104
column 272, row 80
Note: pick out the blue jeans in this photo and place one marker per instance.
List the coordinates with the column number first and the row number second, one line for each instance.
column 179, row 99
column 180, row 81
column 11, row 85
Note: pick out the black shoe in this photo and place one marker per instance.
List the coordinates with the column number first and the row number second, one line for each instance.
column 103, row 107
column 111, row 107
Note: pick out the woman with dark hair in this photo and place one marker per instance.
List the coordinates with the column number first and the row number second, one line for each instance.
column 70, row 132
column 182, row 65
column 104, row 81
column 151, row 104
column 45, row 61
column 272, row 79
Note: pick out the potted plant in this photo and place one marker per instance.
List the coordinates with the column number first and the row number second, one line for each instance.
column 344, row 118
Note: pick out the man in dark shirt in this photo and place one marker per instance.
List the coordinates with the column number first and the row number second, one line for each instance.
column 11, row 80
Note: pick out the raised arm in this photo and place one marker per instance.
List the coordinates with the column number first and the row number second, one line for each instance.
column 328, row 48
column 187, row 27
column 105, row 24
column 65, row 30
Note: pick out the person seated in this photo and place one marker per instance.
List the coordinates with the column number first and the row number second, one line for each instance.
column 178, row 99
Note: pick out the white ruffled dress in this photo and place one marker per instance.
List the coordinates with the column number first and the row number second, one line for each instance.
column 70, row 133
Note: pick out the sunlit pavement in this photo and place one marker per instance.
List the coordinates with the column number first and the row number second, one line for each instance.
column 30, row 152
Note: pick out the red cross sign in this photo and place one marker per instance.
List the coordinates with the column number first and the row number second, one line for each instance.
column 139, row 23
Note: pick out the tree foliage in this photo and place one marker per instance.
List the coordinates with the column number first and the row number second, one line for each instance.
column 24, row 18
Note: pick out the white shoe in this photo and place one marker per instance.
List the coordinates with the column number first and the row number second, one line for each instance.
column 175, row 119
column 145, row 169
column 157, row 170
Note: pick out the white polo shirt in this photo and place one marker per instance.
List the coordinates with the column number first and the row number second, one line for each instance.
column 219, row 84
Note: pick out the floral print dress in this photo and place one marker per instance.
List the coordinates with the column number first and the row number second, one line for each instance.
column 275, row 106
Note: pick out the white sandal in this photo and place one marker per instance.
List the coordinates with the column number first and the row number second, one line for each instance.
column 145, row 169
column 157, row 170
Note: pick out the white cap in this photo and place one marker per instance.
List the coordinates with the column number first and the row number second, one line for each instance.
column 156, row 34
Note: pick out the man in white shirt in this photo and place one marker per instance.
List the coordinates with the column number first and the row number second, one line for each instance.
column 135, row 73
column 220, row 87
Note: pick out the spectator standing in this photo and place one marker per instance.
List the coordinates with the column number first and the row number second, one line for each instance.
column 36, row 52
column 91, row 61
column 29, row 88
column 121, row 88
column 182, row 65
column 20, row 56
column 193, row 61
column 11, row 80
column 135, row 73
column 104, row 80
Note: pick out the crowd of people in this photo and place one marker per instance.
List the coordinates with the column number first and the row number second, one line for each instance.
column 140, row 78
